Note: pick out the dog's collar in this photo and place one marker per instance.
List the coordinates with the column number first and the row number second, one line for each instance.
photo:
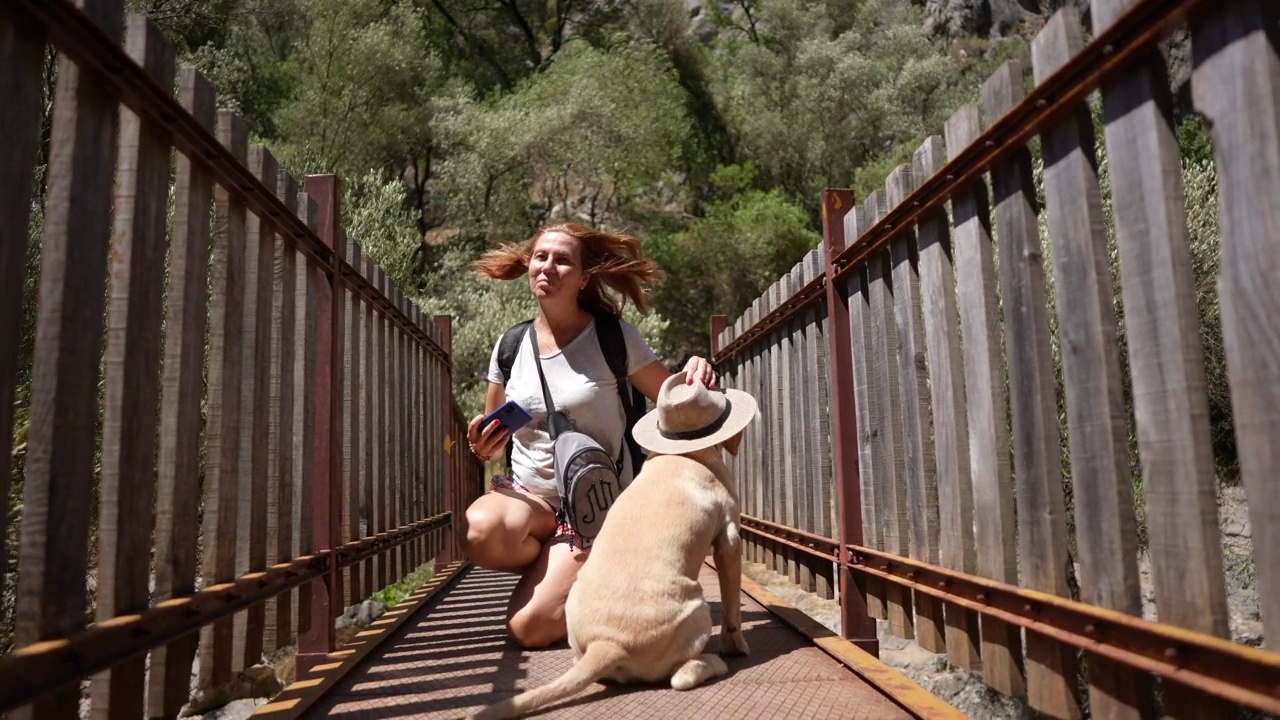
column 700, row 433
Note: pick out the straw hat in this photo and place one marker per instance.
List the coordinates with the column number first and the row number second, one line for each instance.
column 691, row 417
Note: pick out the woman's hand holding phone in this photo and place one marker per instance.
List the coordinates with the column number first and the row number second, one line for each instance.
column 488, row 434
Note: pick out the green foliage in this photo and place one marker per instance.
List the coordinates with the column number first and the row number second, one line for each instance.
column 812, row 101
column 393, row 594
column 583, row 140
column 726, row 259
column 362, row 77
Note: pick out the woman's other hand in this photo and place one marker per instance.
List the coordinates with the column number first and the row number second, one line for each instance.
column 700, row 369
column 486, row 442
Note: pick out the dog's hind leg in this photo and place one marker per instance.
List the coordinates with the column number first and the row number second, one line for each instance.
column 697, row 671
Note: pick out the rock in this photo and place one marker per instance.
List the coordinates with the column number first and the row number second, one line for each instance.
column 258, row 681
column 958, row 18
column 368, row 611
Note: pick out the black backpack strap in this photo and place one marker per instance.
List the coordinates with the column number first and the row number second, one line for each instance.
column 614, row 347
column 509, row 347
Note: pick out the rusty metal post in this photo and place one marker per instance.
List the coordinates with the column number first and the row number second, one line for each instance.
column 855, row 623
column 448, row 548
column 718, row 323
column 317, row 641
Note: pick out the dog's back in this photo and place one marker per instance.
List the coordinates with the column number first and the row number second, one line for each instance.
column 636, row 610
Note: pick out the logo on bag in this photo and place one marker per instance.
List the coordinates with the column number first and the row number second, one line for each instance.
column 599, row 497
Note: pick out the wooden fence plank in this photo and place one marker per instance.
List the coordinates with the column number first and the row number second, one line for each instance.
column 355, row 414
column 859, row 330
column 777, row 440
column 917, row 427
column 1106, row 529
column 886, row 414
column 1236, row 84
column 62, row 438
column 825, row 500
column 132, row 370
column 950, row 426
column 1166, row 365
column 222, row 430
column 177, row 498
column 304, row 418
column 369, row 428
column 381, row 383
column 21, row 66
column 255, row 398
column 788, row 387
column 325, row 479
column 278, row 623
column 987, row 407
column 1042, row 537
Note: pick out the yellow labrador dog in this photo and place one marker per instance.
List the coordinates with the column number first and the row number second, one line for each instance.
column 636, row 611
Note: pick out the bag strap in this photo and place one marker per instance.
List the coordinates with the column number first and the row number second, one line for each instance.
column 614, row 347
column 557, row 423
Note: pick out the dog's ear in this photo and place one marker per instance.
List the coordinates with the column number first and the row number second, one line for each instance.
column 732, row 443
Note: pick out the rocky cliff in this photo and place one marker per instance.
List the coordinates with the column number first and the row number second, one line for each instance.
column 991, row 18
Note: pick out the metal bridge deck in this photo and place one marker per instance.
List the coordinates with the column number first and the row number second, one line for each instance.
column 452, row 656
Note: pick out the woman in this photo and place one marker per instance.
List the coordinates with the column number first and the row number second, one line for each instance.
column 514, row 528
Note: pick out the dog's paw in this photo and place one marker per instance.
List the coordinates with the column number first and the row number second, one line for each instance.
column 733, row 643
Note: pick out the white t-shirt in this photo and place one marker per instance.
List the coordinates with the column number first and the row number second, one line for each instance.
column 582, row 387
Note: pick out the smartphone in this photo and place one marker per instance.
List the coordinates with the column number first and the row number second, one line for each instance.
column 509, row 415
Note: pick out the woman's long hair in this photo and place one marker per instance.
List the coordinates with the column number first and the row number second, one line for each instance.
column 611, row 261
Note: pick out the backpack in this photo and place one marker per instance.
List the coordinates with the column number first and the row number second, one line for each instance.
column 614, row 348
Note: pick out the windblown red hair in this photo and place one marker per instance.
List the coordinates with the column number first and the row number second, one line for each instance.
column 612, row 261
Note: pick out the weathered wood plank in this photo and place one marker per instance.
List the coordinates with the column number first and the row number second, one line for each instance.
column 132, row 370
column 356, row 479
column 859, row 329
column 369, row 428
column 255, row 398
column 917, row 426
column 177, row 498
column 222, row 430
column 61, row 440
column 1042, row 535
column 1166, row 364
column 950, row 425
column 1236, row 84
column 381, row 383
column 824, row 497
column 304, row 418
column 278, row 630
column 886, row 415
column 21, row 65
column 987, row 407
column 1106, row 529
column 786, row 397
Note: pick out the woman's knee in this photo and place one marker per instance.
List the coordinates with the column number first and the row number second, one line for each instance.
column 535, row 626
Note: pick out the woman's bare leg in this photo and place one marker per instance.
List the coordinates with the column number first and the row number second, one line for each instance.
column 504, row 530
column 535, row 614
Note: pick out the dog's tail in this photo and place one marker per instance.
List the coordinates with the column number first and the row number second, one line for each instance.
column 594, row 664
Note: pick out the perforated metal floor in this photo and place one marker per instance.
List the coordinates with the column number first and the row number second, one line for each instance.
column 454, row 657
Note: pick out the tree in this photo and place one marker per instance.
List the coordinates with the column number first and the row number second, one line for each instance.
column 589, row 139
column 722, row 262
column 814, row 90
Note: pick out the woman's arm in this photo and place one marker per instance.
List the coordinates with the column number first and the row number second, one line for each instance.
column 649, row 378
column 488, row 442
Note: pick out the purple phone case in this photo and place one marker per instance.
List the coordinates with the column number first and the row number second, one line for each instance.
column 509, row 415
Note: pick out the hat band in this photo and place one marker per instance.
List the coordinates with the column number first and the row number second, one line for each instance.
column 700, row 433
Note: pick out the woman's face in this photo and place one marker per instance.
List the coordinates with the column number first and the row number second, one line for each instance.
column 555, row 268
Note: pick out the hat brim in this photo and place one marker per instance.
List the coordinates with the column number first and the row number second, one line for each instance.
column 742, row 410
